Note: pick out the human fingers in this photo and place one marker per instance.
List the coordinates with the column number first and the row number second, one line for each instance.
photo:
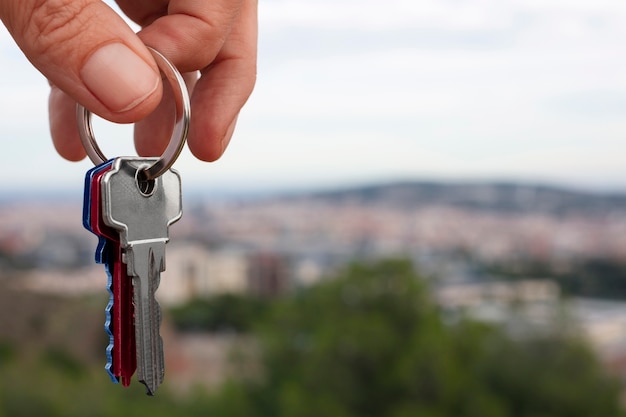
column 153, row 133
column 62, row 117
column 143, row 12
column 157, row 126
column 218, row 96
column 88, row 54
column 224, row 87
column 84, row 48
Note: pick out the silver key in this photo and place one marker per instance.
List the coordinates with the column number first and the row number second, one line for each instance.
column 142, row 211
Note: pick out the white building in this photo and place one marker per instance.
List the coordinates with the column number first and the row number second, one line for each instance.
column 195, row 271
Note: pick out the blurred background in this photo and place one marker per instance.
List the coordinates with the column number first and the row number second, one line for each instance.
column 422, row 213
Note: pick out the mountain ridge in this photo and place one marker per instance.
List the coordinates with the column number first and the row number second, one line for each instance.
column 481, row 196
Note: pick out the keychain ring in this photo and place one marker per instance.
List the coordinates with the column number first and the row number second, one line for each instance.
column 179, row 135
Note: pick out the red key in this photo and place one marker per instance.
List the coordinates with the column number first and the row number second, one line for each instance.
column 124, row 359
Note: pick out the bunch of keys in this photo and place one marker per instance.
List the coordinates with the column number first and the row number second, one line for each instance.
column 129, row 203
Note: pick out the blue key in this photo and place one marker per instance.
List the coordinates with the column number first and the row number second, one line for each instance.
column 102, row 257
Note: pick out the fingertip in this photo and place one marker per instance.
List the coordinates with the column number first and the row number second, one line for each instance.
column 63, row 127
column 73, row 154
column 207, row 143
column 206, row 151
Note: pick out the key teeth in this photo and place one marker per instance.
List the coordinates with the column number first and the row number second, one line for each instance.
column 114, row 379
column 101, row 256
column 107, row 325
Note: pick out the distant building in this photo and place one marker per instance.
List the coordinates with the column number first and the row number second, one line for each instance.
column 460, row 296
column 307, row 272
column 194, row 271
column 604, row 323
column 519, row 306
column 268, row 274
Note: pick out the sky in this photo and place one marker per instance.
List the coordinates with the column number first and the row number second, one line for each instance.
column 360, row 91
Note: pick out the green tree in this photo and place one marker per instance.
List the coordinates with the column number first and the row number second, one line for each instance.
column 221, row 313
column 370, row 342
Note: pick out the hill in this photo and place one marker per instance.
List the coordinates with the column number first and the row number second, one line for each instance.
column 496, row 197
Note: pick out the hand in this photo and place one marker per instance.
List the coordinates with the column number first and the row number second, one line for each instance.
column 90, row 55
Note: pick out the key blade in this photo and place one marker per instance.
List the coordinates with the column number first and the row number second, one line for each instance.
column 109, row 367
column 150, row 361
column 124, row 358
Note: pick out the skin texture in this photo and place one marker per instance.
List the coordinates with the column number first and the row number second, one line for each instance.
column 90, row 55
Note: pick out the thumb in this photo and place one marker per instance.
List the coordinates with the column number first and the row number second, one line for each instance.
column 87, row 50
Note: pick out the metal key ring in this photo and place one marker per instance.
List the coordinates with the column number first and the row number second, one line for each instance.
column 179, row 135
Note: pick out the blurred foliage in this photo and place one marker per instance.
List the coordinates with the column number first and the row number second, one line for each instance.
column 222, row 313
column 10, row 262
column 371, row 343
column 7, row 352
column 50, row 385
column 368, row 342
column 595, row 277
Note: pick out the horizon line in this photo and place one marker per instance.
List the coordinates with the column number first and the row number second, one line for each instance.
column 238, row 190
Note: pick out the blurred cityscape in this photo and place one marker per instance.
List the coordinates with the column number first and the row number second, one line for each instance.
column 494, row 252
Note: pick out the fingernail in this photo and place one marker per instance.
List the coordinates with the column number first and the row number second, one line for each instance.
column 118, row 77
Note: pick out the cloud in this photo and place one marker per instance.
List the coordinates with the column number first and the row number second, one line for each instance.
column 454, row 81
